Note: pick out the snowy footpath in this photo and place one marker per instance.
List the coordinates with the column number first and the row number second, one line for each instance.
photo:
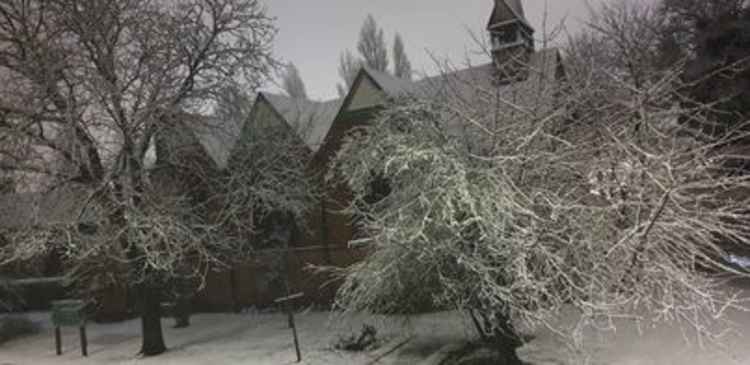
column 259, row 339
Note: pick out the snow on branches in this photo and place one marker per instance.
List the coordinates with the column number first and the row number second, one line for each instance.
column 516, row 202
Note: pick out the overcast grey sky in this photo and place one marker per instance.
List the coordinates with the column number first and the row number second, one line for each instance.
column 312, row 34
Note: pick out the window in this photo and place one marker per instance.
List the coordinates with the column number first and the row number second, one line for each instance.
column 504, row 36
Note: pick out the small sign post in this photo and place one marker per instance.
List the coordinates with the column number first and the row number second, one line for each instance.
column 69, row 313
column 286, row 302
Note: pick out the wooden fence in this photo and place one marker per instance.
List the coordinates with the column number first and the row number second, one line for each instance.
column 259, row 282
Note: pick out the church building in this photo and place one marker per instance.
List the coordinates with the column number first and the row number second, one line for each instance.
column 514, row 69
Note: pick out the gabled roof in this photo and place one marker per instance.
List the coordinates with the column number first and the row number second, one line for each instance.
column 507, row 11
column 471, row 85
column 542, row 64
column 392, row 85
column 310, row 120
column 216, row 136
column 213, row 136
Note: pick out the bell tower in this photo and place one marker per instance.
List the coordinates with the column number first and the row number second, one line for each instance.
column 512, row 39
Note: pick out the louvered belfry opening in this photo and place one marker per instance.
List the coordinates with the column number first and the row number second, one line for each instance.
column 512, row 40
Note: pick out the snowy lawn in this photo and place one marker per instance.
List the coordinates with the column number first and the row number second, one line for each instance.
column 258, row 339
column 247, row 338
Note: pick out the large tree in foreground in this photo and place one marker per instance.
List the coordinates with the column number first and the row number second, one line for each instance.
column 515, row 203
column 96, row 83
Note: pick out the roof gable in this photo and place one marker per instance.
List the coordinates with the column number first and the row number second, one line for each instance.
column 309, row 120
column 217, row 137
column 186, row 134
column 461, row 86
column 365, row 93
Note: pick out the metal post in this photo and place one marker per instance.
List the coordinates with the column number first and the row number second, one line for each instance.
column 288, row 308
column 294, row 333
column 58, row 341
column 84, row 342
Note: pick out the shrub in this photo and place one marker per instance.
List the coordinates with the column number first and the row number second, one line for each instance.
column 365, row 340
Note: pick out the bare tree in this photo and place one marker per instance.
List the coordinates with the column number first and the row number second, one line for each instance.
column 292, row 82
column 515, row 202
column 401, row 64
column 690, row 20
column 100, row 83
column 372, row 46
column 630, row 34
column 349, row 65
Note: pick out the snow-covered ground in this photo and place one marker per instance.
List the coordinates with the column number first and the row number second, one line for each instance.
column 248, row 338
column 259, row 339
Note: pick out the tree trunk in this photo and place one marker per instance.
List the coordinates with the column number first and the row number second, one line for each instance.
column 501, row 335
column 506, row 349
column 507, row 341
column 150, row 305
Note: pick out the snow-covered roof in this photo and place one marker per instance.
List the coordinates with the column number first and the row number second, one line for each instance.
column 542, row 64
column 468, row 88
column 392, row 85
column 310, row 120
column 216, row 136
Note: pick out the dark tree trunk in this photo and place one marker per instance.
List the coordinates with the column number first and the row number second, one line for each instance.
column 506, row 349
column 500, row 335
column 507, row 340
column 150, row 305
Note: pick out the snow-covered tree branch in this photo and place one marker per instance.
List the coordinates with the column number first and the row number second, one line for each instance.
column 516, row 202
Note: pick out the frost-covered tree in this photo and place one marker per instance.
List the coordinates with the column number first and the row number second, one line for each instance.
column 372, row 46
column 401, row 64
column 101, row 84
column 518, row 203
column 292, row 83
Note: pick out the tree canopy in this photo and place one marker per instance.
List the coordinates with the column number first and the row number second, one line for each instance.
column 112, row 100
column 517, row 202
column 372, row 46
column 401, row 64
